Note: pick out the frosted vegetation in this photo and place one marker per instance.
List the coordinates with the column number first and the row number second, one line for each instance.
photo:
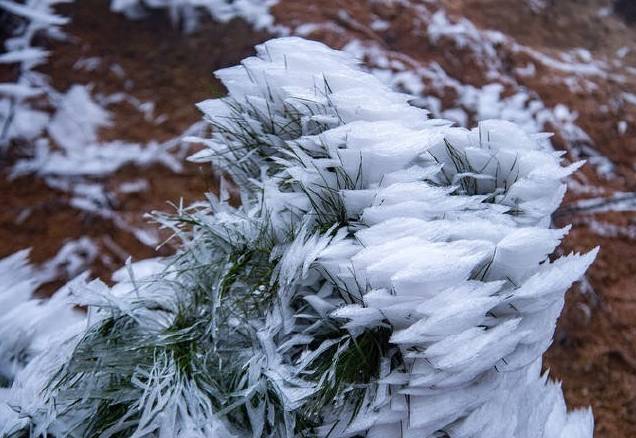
column 386, row 275
column 60, row 128
column 18, row 117
column 189, row 12
column 55, row 135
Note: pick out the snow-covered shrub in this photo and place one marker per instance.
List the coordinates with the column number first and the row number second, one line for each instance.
column 188, row 12
column 386, row 275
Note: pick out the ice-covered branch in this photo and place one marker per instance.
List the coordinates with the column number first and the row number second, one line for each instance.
column 386, row 275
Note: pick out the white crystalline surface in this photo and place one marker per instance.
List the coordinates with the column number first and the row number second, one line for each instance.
column 452, row 241
column 28, row 326
column 387, row 275
column 18, row 119
column 255, row 12
column 74, row 129
column 504, row 92
column 75, row 119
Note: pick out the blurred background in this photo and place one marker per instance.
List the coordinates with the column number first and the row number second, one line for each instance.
column 96, row 97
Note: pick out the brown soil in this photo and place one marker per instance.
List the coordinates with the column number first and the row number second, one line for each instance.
column 594, row 351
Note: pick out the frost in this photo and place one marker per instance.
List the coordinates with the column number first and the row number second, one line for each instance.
column 66, row 141
column 74, row 128
column 18, row 119
column 629, row 98
column 577, row 69
column 386, row 274
column 255, row 12
column 72, row 259
column 27, row 324
column 495, row 175
column 537, row 5
column 618, row 201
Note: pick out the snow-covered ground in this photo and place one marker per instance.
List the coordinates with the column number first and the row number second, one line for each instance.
column 62, row 133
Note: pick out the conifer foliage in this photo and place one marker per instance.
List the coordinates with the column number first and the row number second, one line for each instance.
column 386, row 275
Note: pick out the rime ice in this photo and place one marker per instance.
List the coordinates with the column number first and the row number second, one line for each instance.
column 368, row 234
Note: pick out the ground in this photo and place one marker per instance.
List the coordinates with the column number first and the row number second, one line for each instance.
column 594, row 352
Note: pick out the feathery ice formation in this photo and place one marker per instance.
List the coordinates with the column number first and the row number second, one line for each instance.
column 19, row 118
column 386, row 275
column 188, row 12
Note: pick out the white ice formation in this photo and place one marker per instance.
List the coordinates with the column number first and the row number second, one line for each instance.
column 188, row 12
column 387, row 275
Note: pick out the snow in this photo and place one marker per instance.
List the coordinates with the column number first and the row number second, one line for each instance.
column 28, row 54
column 77, row 119
column 618, row 201
column 379, row 217
column 604, row 12
column 629, row 98
column 34, row 12
column 393, row 269
column 73, row 258
column 74, row 127
column 27, row 324
column 527, row 71
column 622, row 52
column 88, row 64
column 537, row 5
column 65, row 143
column 135, row 186
column 605, row 229
column 18, row 91
column 380, row 25
column 75, row 130
column 569, row 64
column 17, row 118
column 479, row 103
column 255, row 12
